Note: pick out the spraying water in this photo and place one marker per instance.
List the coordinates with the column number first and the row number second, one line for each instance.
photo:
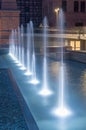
column 28, row 51
column 16, row 48
column 22, row 48
column 34, row 77
column 19, row 45
column 61, row 109
column 45, row 89
column 61, row 98
column 12, row 45
column 15, row 43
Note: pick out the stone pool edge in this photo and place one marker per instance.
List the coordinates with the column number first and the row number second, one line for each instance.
column 31, row 123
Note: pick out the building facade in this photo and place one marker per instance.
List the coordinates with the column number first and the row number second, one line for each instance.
column 9, row 19
column 74, row 11
column 30, row 10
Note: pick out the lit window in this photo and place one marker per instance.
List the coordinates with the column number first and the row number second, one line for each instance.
column 77, row 45
column 72, row 45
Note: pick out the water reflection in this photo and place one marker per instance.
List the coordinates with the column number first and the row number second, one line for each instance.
column 83, row 82
column 54, row 68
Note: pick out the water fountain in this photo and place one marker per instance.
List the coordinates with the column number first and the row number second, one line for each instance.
column 34, row 79
column 17, row 50
column 45, row 88
column 12, row 46
column 28, row 51
column 19, row 46
column 11, row 43
column 22, row 49
column 61, row 109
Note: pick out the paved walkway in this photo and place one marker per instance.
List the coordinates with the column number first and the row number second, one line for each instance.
column 11, row 117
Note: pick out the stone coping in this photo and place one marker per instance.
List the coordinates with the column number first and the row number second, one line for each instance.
column 25, row 109
column 4, row 51
column 11, row 116
column 78, row 51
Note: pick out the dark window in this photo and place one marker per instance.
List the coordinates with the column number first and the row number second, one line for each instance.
column 50, row 8
column 79, row 24
column 82, row 6
column 76, row 6
column 64, row 5
column 30, row 10
column 26, row 9
column 0, row 4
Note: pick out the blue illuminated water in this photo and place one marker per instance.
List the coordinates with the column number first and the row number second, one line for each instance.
column 69, row 77
column 75, row 96
column 45, row 91
column 41, row 107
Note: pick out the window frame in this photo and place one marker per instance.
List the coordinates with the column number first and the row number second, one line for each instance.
column 76, row 6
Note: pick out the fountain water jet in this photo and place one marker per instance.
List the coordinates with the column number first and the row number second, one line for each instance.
column 16, row 46
column 28, row 52
column 12, row 44
column 16, row 49
column 22, row 49
column 61, row 109
column 34, row 77
column 45, row 89
column 19, row 46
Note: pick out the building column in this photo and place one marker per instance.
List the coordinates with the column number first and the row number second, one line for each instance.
column 9, row 19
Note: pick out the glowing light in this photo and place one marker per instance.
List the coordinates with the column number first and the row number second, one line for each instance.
column 56, row 10
column 45, row 92
column 22, row 68
column 45, row 89
column 19, row 64
column 16, row 61
column 14, row 58
column 34, row 81
column 28, row 73
column 61, row 112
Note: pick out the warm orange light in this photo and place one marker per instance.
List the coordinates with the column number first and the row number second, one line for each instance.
column 56, row 10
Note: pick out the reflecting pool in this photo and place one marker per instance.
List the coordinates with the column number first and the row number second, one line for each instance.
column 41, row 107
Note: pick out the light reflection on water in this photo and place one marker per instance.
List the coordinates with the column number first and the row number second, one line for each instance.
column 83, row 82
column 54, row 68
column 75, row 74
column 75, row 85
column 75, row 96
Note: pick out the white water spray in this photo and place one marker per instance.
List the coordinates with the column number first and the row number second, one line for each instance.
column 34, row 77
column 45, row 88
column 28, row 51
column 61, row 109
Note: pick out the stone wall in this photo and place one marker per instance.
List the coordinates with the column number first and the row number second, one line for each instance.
column 71, row 18
column 78, row 56
column 8, row 20
column 57, row 55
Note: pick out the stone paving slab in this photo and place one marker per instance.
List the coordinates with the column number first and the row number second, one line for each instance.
column 11, row 117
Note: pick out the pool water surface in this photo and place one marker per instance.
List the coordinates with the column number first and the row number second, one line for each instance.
column 41, row 107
